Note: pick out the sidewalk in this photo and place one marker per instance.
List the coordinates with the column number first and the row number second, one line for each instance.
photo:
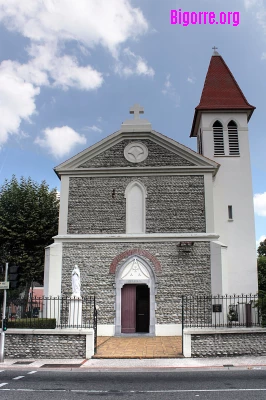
column 137, row 364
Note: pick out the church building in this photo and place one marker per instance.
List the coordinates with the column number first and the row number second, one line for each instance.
column 147, row 219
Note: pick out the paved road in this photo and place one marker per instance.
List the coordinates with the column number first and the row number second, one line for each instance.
column 67, row 385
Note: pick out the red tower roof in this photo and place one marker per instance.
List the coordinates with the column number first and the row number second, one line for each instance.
column 220, row 92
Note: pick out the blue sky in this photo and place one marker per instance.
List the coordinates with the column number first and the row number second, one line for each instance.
column 71, row 69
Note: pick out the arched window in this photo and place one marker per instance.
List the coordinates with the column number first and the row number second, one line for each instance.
column 233, row 139
column 135, row 195
column 218, row 138
column 200, row 142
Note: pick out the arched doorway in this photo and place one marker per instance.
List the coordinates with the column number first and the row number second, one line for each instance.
column 135, row 298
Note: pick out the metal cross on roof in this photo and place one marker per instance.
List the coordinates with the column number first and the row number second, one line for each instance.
column 214, row 50
column 136, row 110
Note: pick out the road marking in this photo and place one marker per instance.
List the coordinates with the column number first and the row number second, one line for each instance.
column 2, row 384
column 2, row 370
column 32, row 372
column 133, row 391
column 18, row 377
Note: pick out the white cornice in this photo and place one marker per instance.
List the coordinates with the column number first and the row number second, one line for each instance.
column 150, row 237
column 136, row 171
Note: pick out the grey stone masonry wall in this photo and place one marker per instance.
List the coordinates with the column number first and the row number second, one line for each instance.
column 182, row 274
column 114, row 157
column 173, row 204
column 45, row 346
column 228, row 344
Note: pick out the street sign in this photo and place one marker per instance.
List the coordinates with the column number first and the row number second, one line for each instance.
column 4, row 285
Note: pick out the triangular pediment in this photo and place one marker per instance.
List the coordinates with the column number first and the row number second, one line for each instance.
column 146, row 150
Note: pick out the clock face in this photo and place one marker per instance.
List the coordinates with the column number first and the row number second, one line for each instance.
column 136, row 152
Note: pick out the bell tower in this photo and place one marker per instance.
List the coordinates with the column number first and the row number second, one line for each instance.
column 221, row 126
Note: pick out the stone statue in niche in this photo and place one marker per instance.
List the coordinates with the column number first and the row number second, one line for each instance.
column 76, row 282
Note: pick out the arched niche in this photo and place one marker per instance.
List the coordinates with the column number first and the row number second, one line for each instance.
column 135, row 195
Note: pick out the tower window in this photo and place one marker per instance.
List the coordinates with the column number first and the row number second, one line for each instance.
column 200, row 142
column 230, row 212
column 218, row 138
column 233, row 139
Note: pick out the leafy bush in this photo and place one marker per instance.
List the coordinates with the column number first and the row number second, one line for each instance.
column 32, row 323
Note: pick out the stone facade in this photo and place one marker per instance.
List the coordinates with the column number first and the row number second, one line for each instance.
column 181, row 274
column 173, row 204
column 114, row 157
column 228, row 344
column 44, row 346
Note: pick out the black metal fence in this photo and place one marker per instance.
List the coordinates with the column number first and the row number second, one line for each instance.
column 224, row 311
column 52, row 312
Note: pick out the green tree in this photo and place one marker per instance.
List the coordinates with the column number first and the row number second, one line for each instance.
column 28, row 221
column 262, row 266
column 262, row 248
column 261, row 263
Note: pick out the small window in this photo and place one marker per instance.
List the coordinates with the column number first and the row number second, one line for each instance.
column 230, row 212
column 218, row 138
column 233, row 139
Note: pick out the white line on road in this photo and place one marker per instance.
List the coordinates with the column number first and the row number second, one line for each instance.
column 2, row 384
column 2, row 370
column 18, row 377
column 32, row 372
column 134, row 391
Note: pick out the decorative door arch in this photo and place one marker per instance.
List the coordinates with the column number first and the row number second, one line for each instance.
column 134, row 273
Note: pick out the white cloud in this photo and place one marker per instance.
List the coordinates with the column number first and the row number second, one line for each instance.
column 191, row 77
column 89, row 22
column 136, row 65
column 93, row 128
column 17, row 100
column 258, row 9
column 63, row 71
column 261, row 239
column 60, row 141
column 169, row 91
column 49, row 25
column 259, row 200
column 251, row 3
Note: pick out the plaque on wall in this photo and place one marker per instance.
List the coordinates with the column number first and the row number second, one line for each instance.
column 217, row 308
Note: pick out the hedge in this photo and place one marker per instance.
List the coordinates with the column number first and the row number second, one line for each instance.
column 32, row 323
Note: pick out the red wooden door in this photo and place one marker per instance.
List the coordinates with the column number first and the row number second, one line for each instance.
column 128, row 309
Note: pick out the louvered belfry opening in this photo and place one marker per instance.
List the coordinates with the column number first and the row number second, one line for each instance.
column 233, row 139
column 218, row 138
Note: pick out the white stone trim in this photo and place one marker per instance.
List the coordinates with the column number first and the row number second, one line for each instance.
column 63, row 211
column 168, row 329
column 186, row 345
column 105, row 330
column 137, row 171
column 136, row 237
column 209, row 210
column 215, row 331
column 53, row 269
